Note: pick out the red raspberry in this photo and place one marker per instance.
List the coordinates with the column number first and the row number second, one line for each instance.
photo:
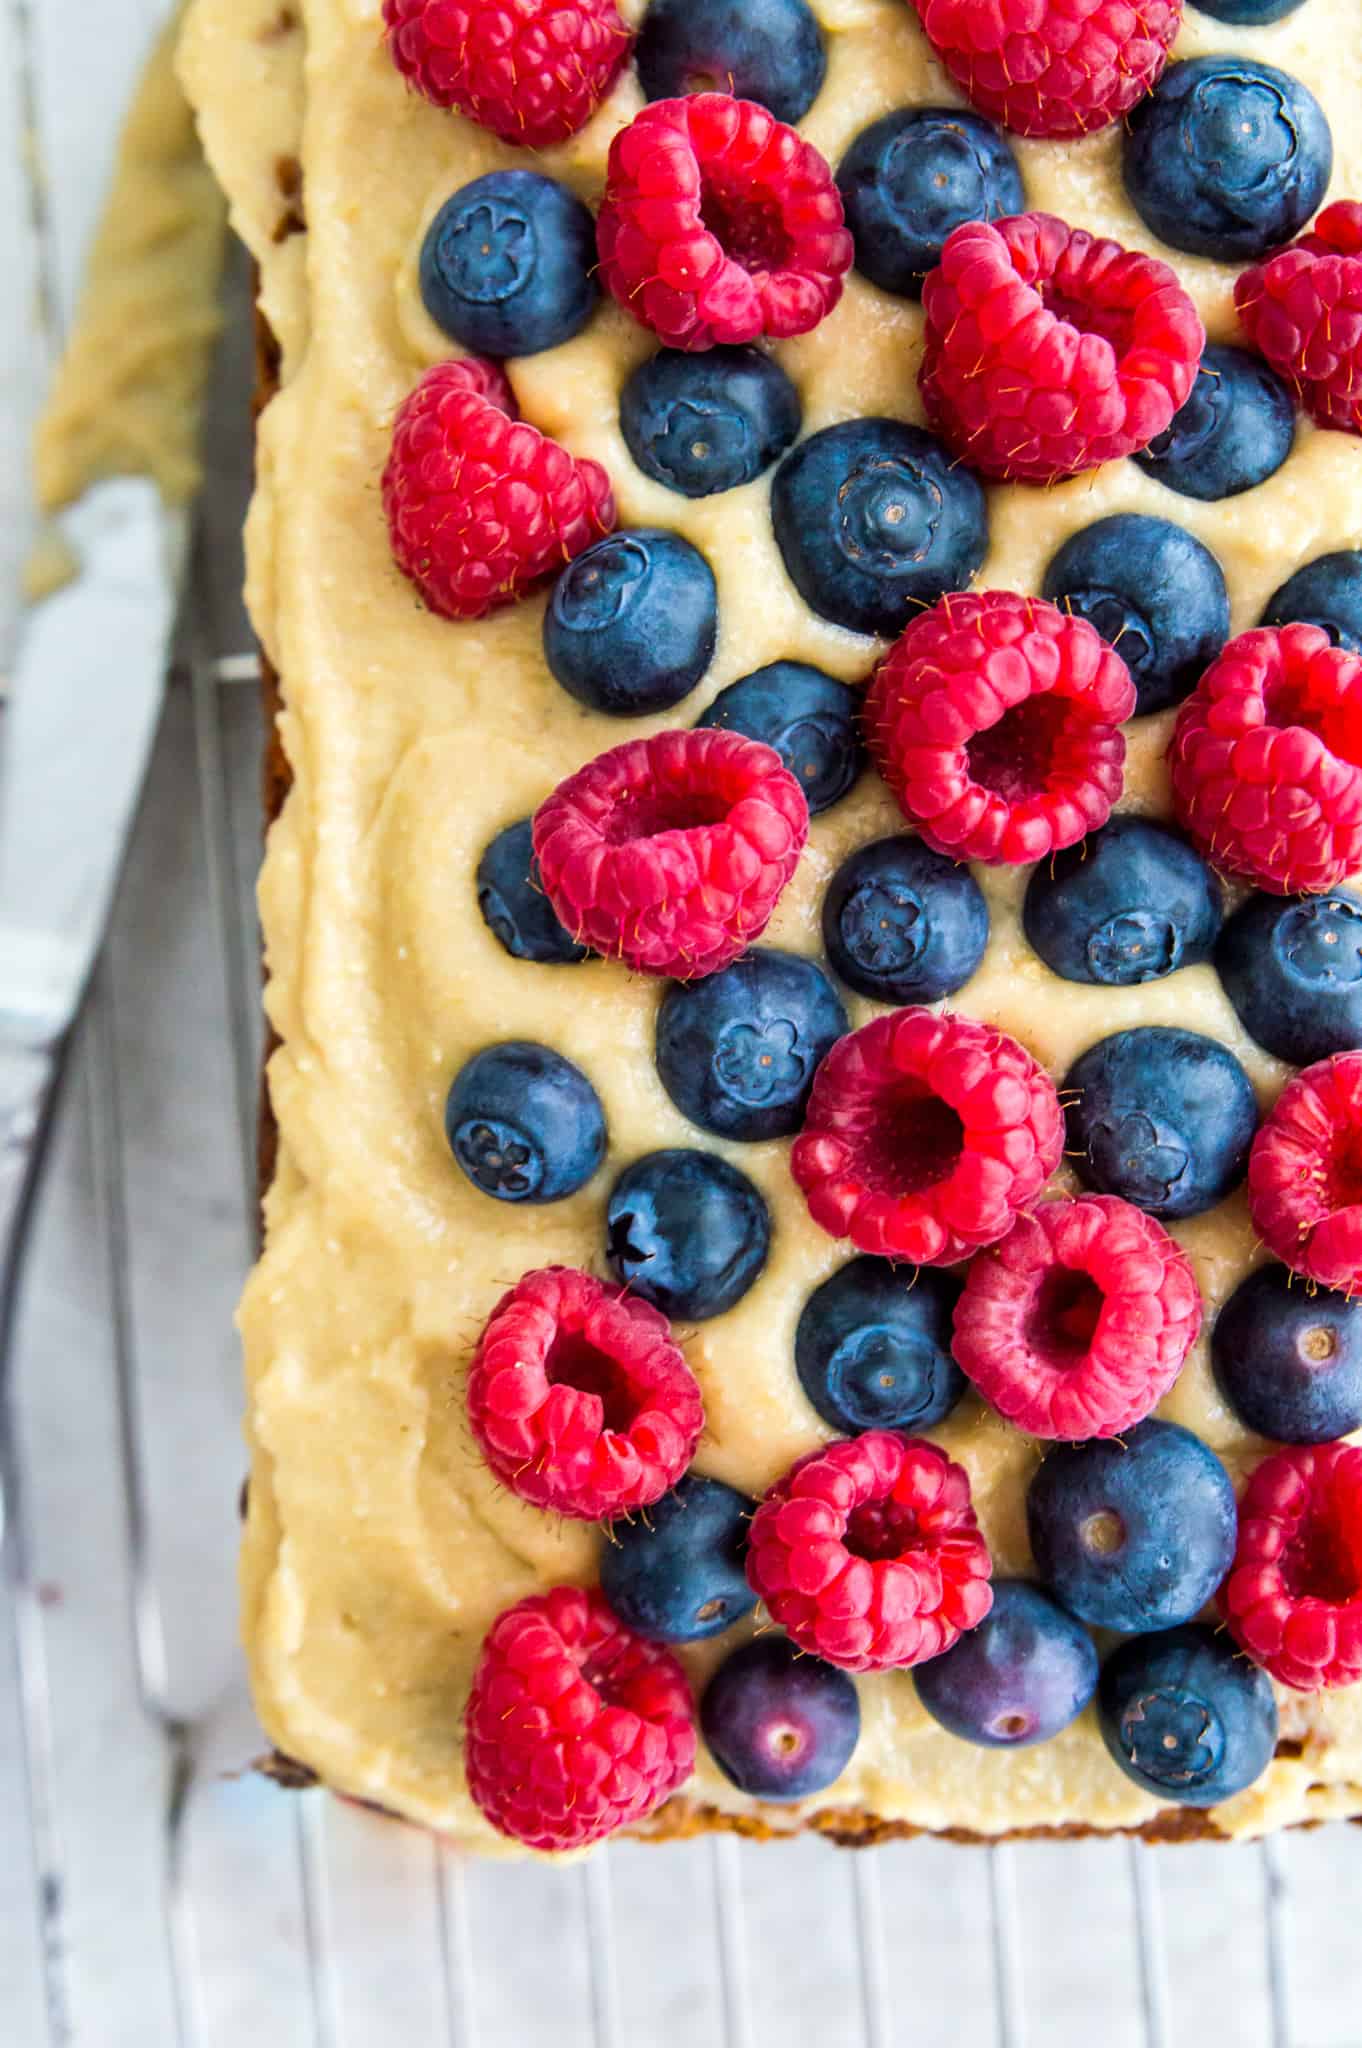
column 533, row 71
column 1305, row 1173
column 669, row 853
column 1293, row 1598
column 867, row 1552
column 1078, row 1323
column 1266, row 760
column 994, row 721
column 1303, row 310
column 1052, row 67
column 925, row 1136
column 576, row 1726
column 480, row 506
column 1048, row 350
column 579, row 1398
column 720, row 224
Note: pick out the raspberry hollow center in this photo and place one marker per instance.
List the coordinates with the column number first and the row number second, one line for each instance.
column 644, row 815
column 1113, row 323
column 1064, row 1317
column 1287, row 701
column 1017, row 757
column 1343, row 1173
column 574, row 1361
column 1323, row 1560
column 914, row 1142
column 879, row 1530
column 748, row 228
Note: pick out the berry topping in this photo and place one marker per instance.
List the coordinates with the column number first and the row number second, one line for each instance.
column 1023, row 1674
column 533, row 71
column 1294, row 1597
column 874, row 520
column 913, row 176
column 1154, row 592
column 765, row 50
column 1293, row 970
column 677, row 1574
column 1305, row 1174
column 1236, row 430
column 1078, row 1323
column 1130, row 904
column 873, row 1347
column 507, row 263
column 737, row 1052
column 903, row 923
column 480, row 506
column 575, row 1726
column 720, row 224
column 687, row 1232
column 1227, row 157
column 1248, row 13
column 867, row 1553
column 631, row 624
column 1266, row 760
column 1049, row 350
column 1288, row 1358
column 580, row 1400
column 925, row 1137
column 670, row 853
column 1065, row 67
column 707, row 423
column 779, row 1723
column 994, row 721
column 1303, row 309
column 513, row 904
column 1161, row 1117
column 1133, row 1535
column 1326, row 592
column 1185, row 1717
column 811, row 720
column 524, row 1123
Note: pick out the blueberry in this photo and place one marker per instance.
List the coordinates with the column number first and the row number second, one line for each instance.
column 913, row 176
column 707, row 423
column 904, row 924
column 766, row 50
column 1186, row 1716
column 1234, row 431
column 524, row 1123
column 631, row 623
column 508, row 264
column 1326, row 592
column 677, row 1573
column 1292, row 967
column 1154, row 592
column 1227, row 157
column 1288, row 1358
column 737, row 1051
column 513, row 904
column 780, row 1723
column 810, row 719
column 1018, row 1678
column 1247, row 13
column 875, row 520
column 1161, row 1117
column 687, row 1232
column 873, row 1347
column 1129, row 903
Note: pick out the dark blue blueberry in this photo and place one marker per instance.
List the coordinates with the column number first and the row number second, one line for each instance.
column 1129, row 903
column 873, row 1347
column 811, row 720
column 631, row 623
column 1235, row 430
column 780, row 1723
column 737, row 1051
column 1292, row 967
column 1186, row 1716
column 1154, row 592
column 524, row 1123
column 508, row 264
column 1018, row 1678
column 706, row 423
column 1134, row 1534
column 1326, row 592
column 1288, row 1358
column 1247, row 13
column 766, row 50
column 513, row 904
column 913, row 176
column 687, row 1232
column 1227, row 157
column 875, row 520
column 677, row 1573
column 904, row 924
column 1161, row 1117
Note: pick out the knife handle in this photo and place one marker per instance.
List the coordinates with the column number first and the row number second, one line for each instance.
column 28, row 1086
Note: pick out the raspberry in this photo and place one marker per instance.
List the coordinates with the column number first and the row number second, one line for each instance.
column 925, row 1136
column 1305, row 1173
column 579, row 1398
column 1052, row 67
column 720, row 224
column 867, row 1552
column 1293, row 1598
column 576, row 1726
column 533, row 71
column 669, row 853
column 994, row 721
column 1048, row 350
column 1078, row 1323
column 480, row 506
column 1266, row 760
column 1302, row 309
